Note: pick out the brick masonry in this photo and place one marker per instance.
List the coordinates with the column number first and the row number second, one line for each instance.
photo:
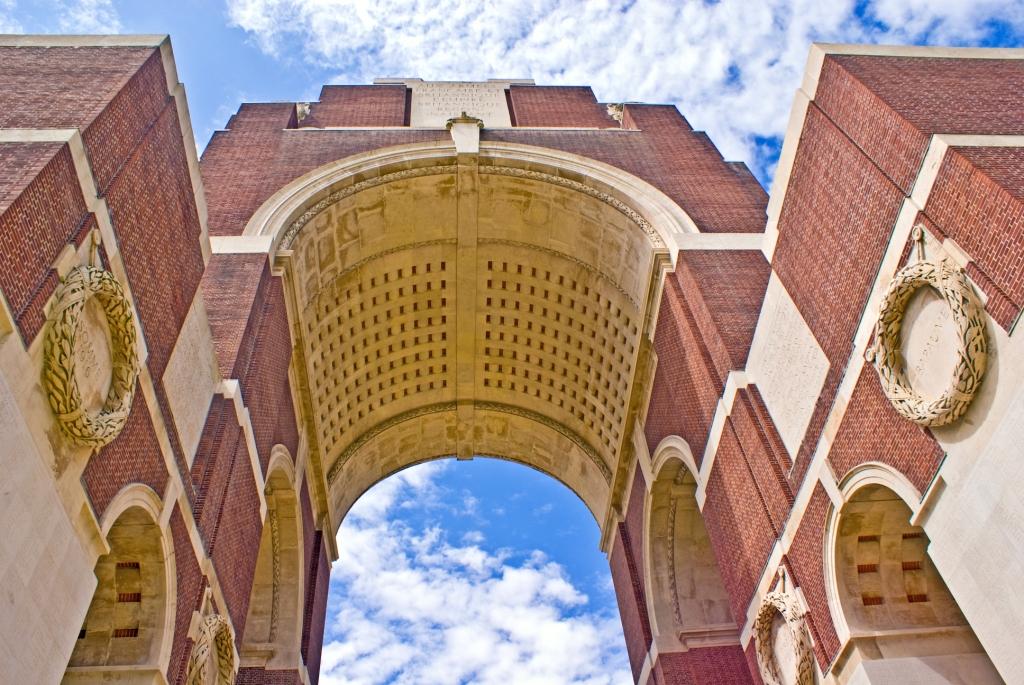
column 860, row 150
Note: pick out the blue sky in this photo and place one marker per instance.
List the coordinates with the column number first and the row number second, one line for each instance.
column 485, row 571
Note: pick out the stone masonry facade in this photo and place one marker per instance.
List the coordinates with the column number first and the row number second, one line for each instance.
column 336, row 290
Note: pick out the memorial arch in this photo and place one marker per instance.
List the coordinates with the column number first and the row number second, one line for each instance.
column 338, row 289
column 498, row 304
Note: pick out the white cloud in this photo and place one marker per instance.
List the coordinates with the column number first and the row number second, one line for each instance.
column 63, row 16
column 409, row 607
column 8, row 23
column 88, row 16
column 731, row 66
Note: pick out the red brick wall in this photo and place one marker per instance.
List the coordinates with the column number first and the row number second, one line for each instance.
column 41, row 211
column 978, row 201
column 382, row 105
column 242, row 168
column 133, row 457
column 669, row 155
column 262, row 369
column 804, row 561
column 63, row 87
column 636, row 626
column 259, row 676
column 227, row 507
column 872, row 431
column 703, row 666
column 230, row 286
column 122, row 126
column 764, row 455
column 634, row 521
column 686, row 384
column 738, row 523
column 724, row 290
column 191, row 584
column 315, row 610
column 573, row 106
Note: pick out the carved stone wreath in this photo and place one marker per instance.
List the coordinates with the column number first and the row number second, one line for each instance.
column 92, row 429
column 972, row 346
column 784, row 604
column 212, row 661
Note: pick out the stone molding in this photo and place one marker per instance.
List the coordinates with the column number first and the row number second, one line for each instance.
column 359, row 442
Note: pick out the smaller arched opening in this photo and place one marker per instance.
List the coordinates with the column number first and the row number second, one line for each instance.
column 903, row 622
column 124, row 631
column 273, row 625
column 690, row 604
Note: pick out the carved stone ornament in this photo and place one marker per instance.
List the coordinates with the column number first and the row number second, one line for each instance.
column 83, row 427
column 971, row 344
column 782, row 603
column 212, row 661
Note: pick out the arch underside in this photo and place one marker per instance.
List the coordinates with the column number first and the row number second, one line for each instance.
column 468, row 308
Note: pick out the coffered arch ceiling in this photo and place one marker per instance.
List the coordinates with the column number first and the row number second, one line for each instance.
column 469, row 305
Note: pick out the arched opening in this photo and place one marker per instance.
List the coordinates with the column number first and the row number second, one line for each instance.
column 691, row 606
column 493, row 305
column 471, row 571
column 904, row 624
column 273, row 624
column 123, row 630
column 499, row 307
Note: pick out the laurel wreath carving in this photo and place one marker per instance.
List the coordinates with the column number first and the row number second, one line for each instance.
column 92, row 429
column 972, row 345
column 786, row 605
column 214, row 644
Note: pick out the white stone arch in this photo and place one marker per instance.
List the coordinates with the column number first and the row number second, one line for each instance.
column 134, row 505
column 285, row 205
column 273, row 626
column 672, row 609
column 673, row 447
column 893, row 613
column 281, row 459
column 863, row 475
column 280, row 224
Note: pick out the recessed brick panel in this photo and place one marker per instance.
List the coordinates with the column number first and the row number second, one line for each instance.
column 262, row 369
column 134, row 456
column 63, row 87
column 191, row 584
column 725, row 290
column 41, row 211
column 978, row 201
column 687, row 385
column 120, row 128
column 805, row 562
column 872, row 431
column 703, row 666
column 157, row 226
column 738, row 523
column 378, row 105
column 567, row 106
column 635, row 524
column 632, row 603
